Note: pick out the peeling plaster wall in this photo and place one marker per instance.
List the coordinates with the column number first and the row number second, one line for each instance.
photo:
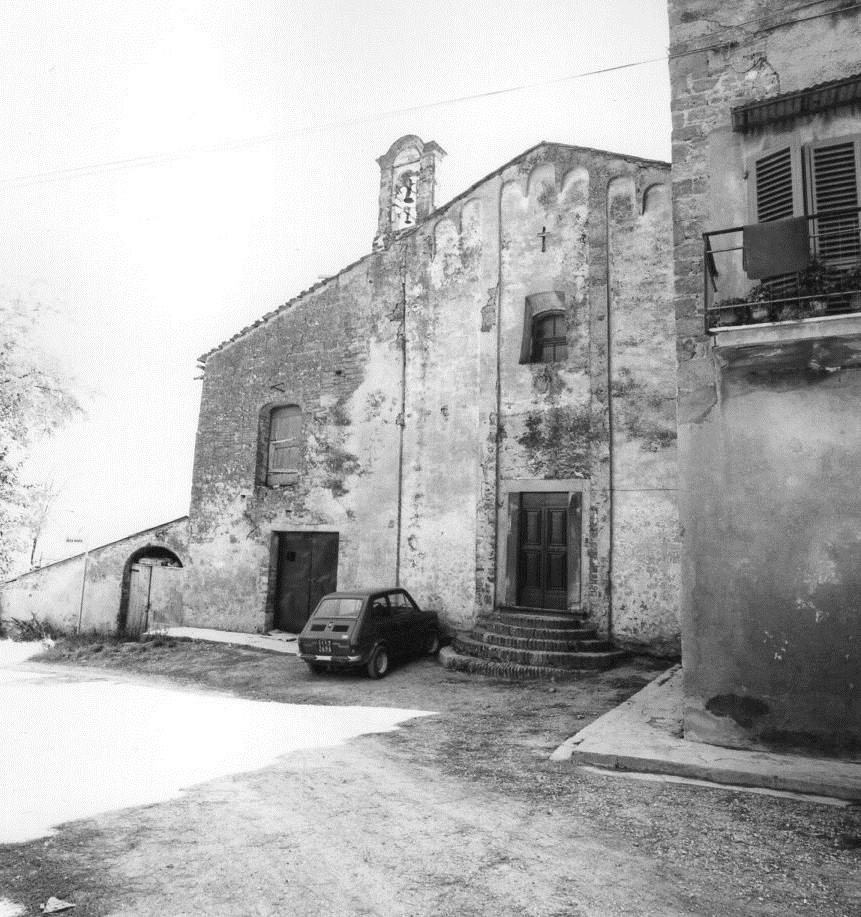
column 336, row 353
column 768, row 434
column 53, row 593
column 450, row 278
column 645, row 524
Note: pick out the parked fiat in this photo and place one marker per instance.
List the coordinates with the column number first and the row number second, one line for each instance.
column 367, row 629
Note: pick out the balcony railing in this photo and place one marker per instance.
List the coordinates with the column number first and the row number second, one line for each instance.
column 828, row 281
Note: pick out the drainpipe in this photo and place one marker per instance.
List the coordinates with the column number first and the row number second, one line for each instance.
column 402, row 419
column 609, row 410
column 497, row 439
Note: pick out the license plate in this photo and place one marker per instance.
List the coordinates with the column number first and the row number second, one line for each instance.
column 324, row 647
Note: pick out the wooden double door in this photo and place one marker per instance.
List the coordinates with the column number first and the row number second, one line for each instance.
column 306, row 570
column 542, row 551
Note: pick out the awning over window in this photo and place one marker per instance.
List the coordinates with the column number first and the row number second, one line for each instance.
column 825, row 96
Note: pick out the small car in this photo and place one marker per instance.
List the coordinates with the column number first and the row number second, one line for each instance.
column 367, row 629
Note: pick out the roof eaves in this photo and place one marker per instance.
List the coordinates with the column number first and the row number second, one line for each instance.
column 813, row 99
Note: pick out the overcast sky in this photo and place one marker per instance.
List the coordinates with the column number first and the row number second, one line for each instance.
column 170, row 171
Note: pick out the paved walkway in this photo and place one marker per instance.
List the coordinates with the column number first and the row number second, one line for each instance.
column 644, row 735
column 276, row 642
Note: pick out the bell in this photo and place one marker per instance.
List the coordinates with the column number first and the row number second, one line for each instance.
column 409, row 199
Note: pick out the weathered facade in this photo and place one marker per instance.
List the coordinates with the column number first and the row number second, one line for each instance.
column 508, row 356
column 125, row 585
column 766, row 130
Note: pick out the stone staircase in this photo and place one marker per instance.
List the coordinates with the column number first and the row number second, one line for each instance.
column 520, row 644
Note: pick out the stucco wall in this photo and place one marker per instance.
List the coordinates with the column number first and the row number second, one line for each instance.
column 645, row 527
column 54, row 593
column 767, row 436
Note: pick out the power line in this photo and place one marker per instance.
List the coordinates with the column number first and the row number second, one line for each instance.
column 86, row 171
column 228, row 145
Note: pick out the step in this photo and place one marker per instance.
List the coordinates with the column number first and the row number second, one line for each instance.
column 544, row 633
column 473, row 665
column 524, row 618
column 589, row 644
column 559, row 660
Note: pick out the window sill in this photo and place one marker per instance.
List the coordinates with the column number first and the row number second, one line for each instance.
column 276, row 479
column 772, row 333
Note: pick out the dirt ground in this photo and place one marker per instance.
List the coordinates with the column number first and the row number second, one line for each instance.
column 460, row 813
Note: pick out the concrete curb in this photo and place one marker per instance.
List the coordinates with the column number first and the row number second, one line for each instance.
column 644, row 734
column 285, row 644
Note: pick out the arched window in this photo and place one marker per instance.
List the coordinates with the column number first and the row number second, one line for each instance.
column 285, row 442
column 545, row 328
column 549, row 340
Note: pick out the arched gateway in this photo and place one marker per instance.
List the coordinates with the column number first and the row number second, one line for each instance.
column 151, row 591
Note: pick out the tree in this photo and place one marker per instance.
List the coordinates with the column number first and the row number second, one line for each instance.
column 36, row 398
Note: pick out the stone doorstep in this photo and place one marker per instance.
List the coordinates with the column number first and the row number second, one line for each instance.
column 473, row 665
column 582, row 644
column 541, row 658
column 644, row 735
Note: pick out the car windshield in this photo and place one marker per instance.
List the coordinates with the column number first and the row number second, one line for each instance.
column 339, row 608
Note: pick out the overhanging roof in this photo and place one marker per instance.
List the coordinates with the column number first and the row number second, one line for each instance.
column 834, row 94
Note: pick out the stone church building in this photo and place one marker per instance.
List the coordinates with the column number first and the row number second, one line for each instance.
column 481, row 410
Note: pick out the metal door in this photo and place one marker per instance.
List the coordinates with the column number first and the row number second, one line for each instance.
column 307, row 569
column 543, row 551
column 140, row 583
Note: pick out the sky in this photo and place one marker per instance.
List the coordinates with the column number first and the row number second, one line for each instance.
column 171, row 171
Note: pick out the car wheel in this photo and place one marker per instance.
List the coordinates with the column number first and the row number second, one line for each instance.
column 432, row 643
column 317, row 668
column 378, row 664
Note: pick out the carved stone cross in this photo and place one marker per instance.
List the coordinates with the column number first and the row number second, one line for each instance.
column 543, row 236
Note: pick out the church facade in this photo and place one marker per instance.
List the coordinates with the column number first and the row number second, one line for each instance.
column 481, row 410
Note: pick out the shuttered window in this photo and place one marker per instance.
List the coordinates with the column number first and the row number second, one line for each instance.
column 775, row 186
column 814, row 180
column 285, row 439
column 833, row 170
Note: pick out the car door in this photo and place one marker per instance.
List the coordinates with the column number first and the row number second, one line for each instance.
column 380, row 624
column 405, row 622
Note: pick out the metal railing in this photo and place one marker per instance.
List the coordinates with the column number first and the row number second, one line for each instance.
column 829, row 284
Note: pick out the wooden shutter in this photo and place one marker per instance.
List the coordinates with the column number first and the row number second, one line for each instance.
column 776, row 186
column 775, row 189
column 833, row 185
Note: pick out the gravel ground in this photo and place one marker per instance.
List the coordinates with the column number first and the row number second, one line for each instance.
column 459, row 813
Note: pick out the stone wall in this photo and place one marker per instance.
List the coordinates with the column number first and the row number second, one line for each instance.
column 58, row 595
column 768, row 429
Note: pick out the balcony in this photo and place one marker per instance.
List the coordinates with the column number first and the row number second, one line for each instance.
column 784, row 271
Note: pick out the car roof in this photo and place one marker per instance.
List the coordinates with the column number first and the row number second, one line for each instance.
column 363, row 593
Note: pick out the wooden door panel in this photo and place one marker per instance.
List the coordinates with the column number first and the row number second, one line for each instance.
column 543, row 551
column 307, row 570
column 138, row 607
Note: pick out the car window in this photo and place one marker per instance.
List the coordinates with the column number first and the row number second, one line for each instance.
column 401, row 601
column 380, row 607
column 338, row 608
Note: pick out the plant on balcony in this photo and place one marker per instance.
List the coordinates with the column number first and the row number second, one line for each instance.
column 785, row 299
